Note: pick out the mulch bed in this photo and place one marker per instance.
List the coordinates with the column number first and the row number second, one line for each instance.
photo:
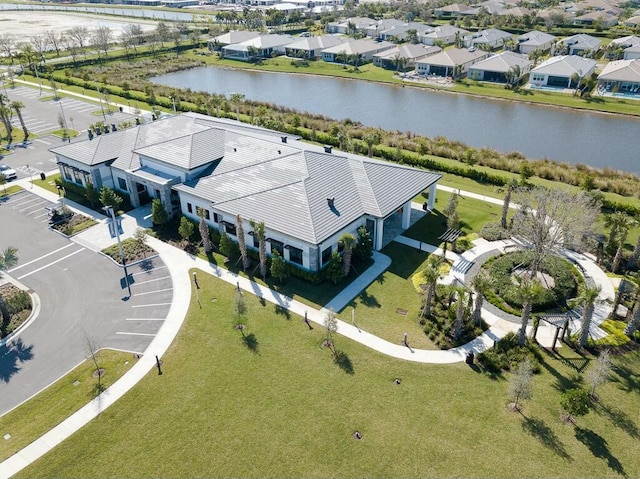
column 15, row 320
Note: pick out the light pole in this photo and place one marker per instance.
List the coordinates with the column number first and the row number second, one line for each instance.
column 101, row 107
column 109, row 211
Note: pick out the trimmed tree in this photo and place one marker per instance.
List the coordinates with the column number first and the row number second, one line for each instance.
column 461, row 302
column 8, row 259
column 431, row 274
column 228, row 247
column 140, row 239
column 587, row 299
column 108, row 197
column 185, row 230
column 521, row 384
column 279, row 268
column 159, row 216
column 241, row 243
column 599, row 373
column 364, row 248
column 512, row 185
column 331, row 327
column 334, row 270
column 575, row 402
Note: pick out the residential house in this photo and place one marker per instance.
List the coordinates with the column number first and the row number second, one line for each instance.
column 264, row 46
column 516, row 12
column 621, row 76
column 306, row 196
column 311, row 47
column 449, row 63
column 559, row 71
column 350, row 25
column 348, row 51
column 455, row 10
column 581, row 44
column 633, row 22
column 403, row 57
column 229, row 38
column 445, row 35
column 499, row 68
column 630, row 46
column 374, row 30
column 605, row 20
column 631, row 53
column 400, row 33
column 492, row 7
column 487, row 39
column 535, row 40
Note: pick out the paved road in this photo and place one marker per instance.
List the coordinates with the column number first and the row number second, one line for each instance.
column 80, row 291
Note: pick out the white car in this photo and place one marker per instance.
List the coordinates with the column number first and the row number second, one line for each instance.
column 8, row 172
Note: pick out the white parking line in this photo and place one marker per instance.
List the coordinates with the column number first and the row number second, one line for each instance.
column 136, row 334
column 154, row 292
column 149, row 271
column 38, row 259
column 152, row 280
column 36, row 205
column 147, row 305
column 29, row 199
column 50, row 264
column 43, row 141
column 40, row 216
column 145, row 319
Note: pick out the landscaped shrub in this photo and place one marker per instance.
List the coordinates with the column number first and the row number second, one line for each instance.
column 19, row 301
column 494, row 232
column 553, row 296
column 507, row 354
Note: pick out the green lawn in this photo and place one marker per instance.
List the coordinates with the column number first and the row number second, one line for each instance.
column 49, row 408
column 283, row 408
column 9, row 190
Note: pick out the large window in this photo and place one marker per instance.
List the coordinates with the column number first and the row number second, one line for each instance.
column 77, row 177
column 67, row 173
column 216, row 218
column 295, row 255
column 230, row 228
column 122, row 184
column 277, row 246
column 256, row 241
column 189, row 208
column 326, row 255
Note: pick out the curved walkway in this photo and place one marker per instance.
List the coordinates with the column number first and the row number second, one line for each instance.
column 179, row 263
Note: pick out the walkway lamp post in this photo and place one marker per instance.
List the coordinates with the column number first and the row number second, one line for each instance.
column 109, row 210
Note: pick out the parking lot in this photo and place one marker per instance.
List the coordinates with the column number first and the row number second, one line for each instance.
column 83, row 294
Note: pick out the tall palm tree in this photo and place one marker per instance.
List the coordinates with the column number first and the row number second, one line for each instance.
column 620, row 237
column 481, row 283
column 507, row 201
column 17, row 107
column 431, row 274
column 237, row 99
column 348, row 241
column 461, row 302
column 371, row 136
column 587, row 299
column 615, row 221
column 258, row 230
column 528, row 290
column 633, row 325
column 5, row 116
column 241, row 243
column 8, row 259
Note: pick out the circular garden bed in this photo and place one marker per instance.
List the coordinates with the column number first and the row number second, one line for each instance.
column 17, row 308
column 558, row 277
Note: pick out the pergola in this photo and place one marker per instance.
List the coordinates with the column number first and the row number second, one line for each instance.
column 449, row 236
column 561, row 322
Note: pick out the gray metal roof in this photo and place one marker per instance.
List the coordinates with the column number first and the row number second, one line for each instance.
column 453, row 57
column 621, row 70
column 565, row 66
column 503, row 62
column 536, row 38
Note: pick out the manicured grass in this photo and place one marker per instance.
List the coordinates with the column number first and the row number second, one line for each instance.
column 285, row 409
column 70, row 133
column 8, row 190
column 49, row 408
column 390, row 306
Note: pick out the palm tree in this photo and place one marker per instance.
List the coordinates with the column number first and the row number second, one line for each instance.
column 587, row 299
column 622, row 231
column 462, row 295
column 216, row 102
column 8, row 259
column 348, row 241
column 258, row 230
column 237, row 99
column 5, row 116
column 507, row 200
column 481, row 283
column 17, row 107
column 527, row 291
column 241, row 243
column 371, row 136
column 615, row 221
column 431, row 274
column 633, row 325
column 633, row 262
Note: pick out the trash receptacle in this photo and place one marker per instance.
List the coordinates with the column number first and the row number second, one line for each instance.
column 43, row 176
column 469, row 358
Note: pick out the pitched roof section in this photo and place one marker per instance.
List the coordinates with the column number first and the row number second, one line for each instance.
column 189, row 151
column 503, row 62
column 313, row 43
column 535, row 38
column 453, row 57
column 565, row 66
column 621, row 70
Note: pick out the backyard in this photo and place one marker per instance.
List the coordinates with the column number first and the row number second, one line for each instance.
column 279, row 406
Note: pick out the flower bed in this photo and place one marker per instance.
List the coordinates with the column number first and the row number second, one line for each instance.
column 18, row 306
column 133, row 249
column 69, row 223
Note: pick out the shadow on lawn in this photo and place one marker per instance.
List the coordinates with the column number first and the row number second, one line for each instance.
column 251, row 342
column 599, row 448
column 543, row 433
column 343, row 361
column 619, row 418
column 562, row 382
column 10, row 355
column 367, row 300
column 281, row 311
column 627, row 379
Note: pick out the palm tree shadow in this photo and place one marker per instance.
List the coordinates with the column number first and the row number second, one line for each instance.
column 543, row 433
column 10, row 356
column 599, row 448
column 282, row 311
column 619, row 418
column 343, row 361
column 251, row 342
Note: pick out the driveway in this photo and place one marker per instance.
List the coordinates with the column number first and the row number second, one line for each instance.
column 82, row 294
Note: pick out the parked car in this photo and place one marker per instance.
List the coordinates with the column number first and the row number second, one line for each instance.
column 8, row 172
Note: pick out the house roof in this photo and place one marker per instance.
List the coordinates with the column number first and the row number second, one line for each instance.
column 235, row 36
column 453, row 57
column 626, row 42
column 408, row 51
column 313, row 43
column 455, row 8
column 635, row 20
column 516, row 12
column 489, row 35
column 503, row 62
column 444, row 31
column 565, row 66
column 621, row 70
column 597, row 16
column 352, row 47
column 287, row 186
column 582, row 42
column 535, row 38
column 266, row 41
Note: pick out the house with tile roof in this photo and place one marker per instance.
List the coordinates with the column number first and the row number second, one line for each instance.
column 445, row 34
column 346, row 51
column 596, row 17
column 535, row 40
column 621, row 76
column 630, row 46
column 306, row 195
column 263, row 46
column 487, row 39
column 449, row 63
column 497, row 68
column 311, row 47
column 403, row 57
column 229, row 38
column 581, row 44
column 559, row 71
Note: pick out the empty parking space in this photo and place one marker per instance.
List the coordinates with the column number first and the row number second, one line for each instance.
column 29, row 205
